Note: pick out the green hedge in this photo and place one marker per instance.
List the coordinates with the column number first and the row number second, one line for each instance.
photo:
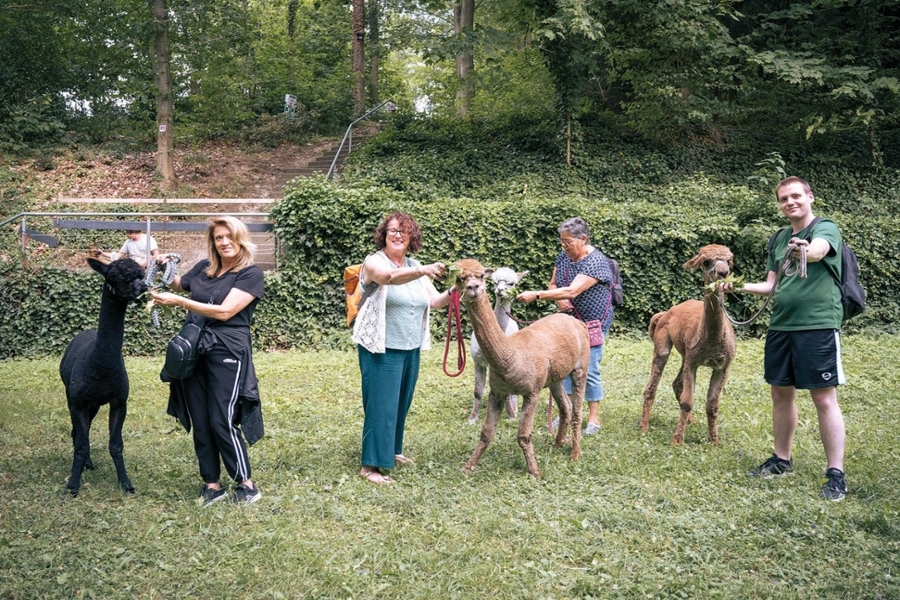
column 324, row 227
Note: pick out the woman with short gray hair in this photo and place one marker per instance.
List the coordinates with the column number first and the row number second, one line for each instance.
column 579, row 268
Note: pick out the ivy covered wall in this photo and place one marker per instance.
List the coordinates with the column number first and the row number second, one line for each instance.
column 323, row 227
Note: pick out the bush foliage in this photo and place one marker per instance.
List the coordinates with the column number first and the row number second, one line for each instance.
column 497, row 191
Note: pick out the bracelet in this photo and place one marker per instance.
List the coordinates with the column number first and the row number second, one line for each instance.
column 537, row 296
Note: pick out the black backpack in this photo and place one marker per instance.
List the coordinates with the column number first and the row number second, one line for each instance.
column 615, row 286
column 853, row 294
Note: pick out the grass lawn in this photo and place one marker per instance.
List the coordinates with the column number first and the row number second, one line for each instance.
column 635, row 518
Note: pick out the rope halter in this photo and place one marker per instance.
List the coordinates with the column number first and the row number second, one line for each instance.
column 168, row 276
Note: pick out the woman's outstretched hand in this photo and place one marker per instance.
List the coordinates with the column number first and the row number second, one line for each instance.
column 167, row 298
column 434, row 270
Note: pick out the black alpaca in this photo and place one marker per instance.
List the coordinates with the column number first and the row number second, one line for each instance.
column 93, row 369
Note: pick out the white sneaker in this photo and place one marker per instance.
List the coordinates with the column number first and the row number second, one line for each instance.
column 591, row 429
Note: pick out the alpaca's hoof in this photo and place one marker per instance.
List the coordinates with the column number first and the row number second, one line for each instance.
column 473, row 421
column 127, row 487
column 469, row 469
column 73, row 492
column 677, row 441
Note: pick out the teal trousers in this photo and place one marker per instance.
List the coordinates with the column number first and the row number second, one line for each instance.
column 388, row 384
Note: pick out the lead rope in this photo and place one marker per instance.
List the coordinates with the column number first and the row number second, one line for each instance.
column 453, row 310
column 168, row 276
column 790, row 266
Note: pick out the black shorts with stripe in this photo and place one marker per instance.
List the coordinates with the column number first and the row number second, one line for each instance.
column 804, row 359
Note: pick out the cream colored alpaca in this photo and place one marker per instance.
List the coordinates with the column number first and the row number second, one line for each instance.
column 540, row 356
column 505, row 281
column 703, row 336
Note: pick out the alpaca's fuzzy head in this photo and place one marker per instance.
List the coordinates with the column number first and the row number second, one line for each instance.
column 505, row 280
column 470, row 276
column 124, row 277
column 714, row 261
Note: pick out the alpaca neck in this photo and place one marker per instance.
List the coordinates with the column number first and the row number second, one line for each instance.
column 501, row 311
column 111, row 327
column 713, row 315
column 491, row 338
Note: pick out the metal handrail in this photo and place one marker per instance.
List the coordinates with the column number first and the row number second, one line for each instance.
column 349, row 135
column 147, row 215
column 131, row 214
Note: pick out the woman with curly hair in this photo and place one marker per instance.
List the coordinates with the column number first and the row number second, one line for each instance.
column 390, row 330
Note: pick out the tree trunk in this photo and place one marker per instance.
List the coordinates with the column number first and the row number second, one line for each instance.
column 463, row 25
column 359, row 58
column 374, row 51
column 164, row 104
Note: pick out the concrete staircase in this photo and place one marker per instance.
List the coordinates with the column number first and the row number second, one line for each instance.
column 322, row 163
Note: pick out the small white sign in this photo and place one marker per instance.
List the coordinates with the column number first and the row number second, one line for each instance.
column 162, row 128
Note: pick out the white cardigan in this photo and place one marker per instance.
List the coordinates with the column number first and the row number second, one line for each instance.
column 369, row 329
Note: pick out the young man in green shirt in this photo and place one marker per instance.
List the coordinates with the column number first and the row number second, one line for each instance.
column 803, row 345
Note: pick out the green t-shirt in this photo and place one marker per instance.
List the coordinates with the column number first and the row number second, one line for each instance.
column 814, row 302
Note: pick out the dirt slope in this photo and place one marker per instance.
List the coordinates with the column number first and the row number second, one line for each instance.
column 212, row 170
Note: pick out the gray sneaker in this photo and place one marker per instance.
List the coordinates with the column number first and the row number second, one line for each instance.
column 245, row 495
column 774, row 467
column 591, row 429
column 835, row 488
column 209, row 496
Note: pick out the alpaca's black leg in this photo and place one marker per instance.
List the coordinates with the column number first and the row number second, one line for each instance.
column 117, row 414
column 92, row 412
column 81, row 443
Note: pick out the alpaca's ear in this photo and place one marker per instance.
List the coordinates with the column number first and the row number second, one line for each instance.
column 488, row 271
column 693, row 263
column 521, row 275
column 98, row 266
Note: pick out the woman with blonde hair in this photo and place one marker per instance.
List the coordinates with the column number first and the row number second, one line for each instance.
column 222, row 392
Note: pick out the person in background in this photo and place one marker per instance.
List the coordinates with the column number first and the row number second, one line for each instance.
column 581, row 285
column 135, row 247
column 390, row 330
column 222, row 393
column 803, row 344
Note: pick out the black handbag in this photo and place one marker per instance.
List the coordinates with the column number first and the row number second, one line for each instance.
column 184, row 348
column 182, row 352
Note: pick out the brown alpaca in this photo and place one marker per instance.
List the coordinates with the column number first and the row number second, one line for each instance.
column 540, row 356
column 703, row 336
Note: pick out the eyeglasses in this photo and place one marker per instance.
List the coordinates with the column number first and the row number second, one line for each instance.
column 397, row 232
column 565, row 243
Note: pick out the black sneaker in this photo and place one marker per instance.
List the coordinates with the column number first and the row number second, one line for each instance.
column 836, row 487
column 774, row 467
column 209, row 496
column 243, row 494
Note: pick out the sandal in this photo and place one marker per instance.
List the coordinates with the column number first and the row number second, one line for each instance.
column 404, row 460
column 375, row 476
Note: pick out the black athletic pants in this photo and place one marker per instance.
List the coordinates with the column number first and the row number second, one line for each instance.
column 212, row 400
